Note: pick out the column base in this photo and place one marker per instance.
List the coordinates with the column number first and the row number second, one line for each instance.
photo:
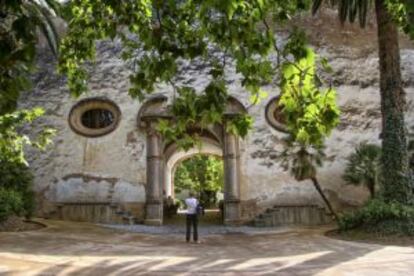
column 232, row 212
column 153, row 222
column 153, row 215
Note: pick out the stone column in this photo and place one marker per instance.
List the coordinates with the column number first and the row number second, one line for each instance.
column 231, row 179
column 153, row 209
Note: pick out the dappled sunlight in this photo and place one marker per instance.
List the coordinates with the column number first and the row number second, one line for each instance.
column 382, row 259
column 96, row 251
column 119, row 264
column 277, row 262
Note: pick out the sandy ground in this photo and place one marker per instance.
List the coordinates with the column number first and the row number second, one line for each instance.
column 68, row 248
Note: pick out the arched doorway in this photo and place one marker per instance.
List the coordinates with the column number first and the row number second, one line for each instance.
column 174, row 156
column 194, row 168
column 161, row 158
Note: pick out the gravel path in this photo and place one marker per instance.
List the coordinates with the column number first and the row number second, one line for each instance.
column 202, row 230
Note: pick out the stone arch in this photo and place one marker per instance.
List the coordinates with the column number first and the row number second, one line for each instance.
column 159, row 154
column 174, row 156
column 154, row 108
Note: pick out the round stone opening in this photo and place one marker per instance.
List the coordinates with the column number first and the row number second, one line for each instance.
column 94, row 117
column 274, row 115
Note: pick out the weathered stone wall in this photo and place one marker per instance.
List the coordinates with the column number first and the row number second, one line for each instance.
column 112, row 169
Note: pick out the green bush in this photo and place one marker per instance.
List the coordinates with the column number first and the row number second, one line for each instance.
column 363, row 167
column 11, row 203
column 17, row 180
column 380, row 217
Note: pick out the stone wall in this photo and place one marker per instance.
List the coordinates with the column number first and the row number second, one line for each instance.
column 112, row 169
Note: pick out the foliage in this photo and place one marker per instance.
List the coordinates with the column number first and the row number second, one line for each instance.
column 11, row 203
column 302, row 162
column 19, row 24
column 411, row 148
column 202, row 174
column 348, row 10
column 12, row 142
column 380, row 217
column 363, row 167
column 159, row 36
column 193, row 112
column 17, row 180
column 310, row 112
column 403, row 13
column 15, row 177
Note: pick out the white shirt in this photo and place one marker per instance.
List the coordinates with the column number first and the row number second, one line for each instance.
column 191, row 205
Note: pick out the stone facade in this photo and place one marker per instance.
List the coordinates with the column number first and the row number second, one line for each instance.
column 119, row 172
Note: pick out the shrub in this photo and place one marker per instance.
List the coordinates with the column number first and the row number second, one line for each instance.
column 17, row 180
column 363, row 167
column 11, row 203
column 380, row 217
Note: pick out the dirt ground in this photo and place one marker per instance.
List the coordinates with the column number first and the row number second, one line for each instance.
column 69, row 248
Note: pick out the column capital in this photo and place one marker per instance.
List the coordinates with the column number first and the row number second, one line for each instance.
column 154, row 157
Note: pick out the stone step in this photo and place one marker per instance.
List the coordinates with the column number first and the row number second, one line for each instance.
column 292, row 215
column 96, row 213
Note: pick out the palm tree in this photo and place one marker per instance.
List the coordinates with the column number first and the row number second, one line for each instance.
column 394, row 141
column 303, row 163
column 363, row 167
column 20, row 21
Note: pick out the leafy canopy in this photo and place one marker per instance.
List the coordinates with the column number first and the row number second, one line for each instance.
column 20, row 23
column 158, row 37
column 19, row 26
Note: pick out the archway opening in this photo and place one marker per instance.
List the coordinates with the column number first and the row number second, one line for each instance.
column 199, row 170
column 202, row 174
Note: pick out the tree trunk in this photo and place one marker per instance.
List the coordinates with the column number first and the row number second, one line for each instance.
column 371, row 188
column 396, row 186
column 325, row 199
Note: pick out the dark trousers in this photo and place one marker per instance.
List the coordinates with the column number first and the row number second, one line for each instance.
column 192, row 220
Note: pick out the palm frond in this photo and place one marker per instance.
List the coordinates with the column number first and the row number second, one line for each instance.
column 42, row 12
column 316, row 6
column 348, row 10
column 343, row 11
column 353, row 10
column 363, row 166
column 363, row 6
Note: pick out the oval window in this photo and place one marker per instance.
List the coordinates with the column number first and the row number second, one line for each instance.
column 94, row 117
column 97, row 118
column 274, row 115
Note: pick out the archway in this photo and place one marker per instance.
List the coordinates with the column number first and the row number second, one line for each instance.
column 193, row 166
column 161, row 157
column 177, row 156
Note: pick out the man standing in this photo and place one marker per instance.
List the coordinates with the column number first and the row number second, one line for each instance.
column 192, row 220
